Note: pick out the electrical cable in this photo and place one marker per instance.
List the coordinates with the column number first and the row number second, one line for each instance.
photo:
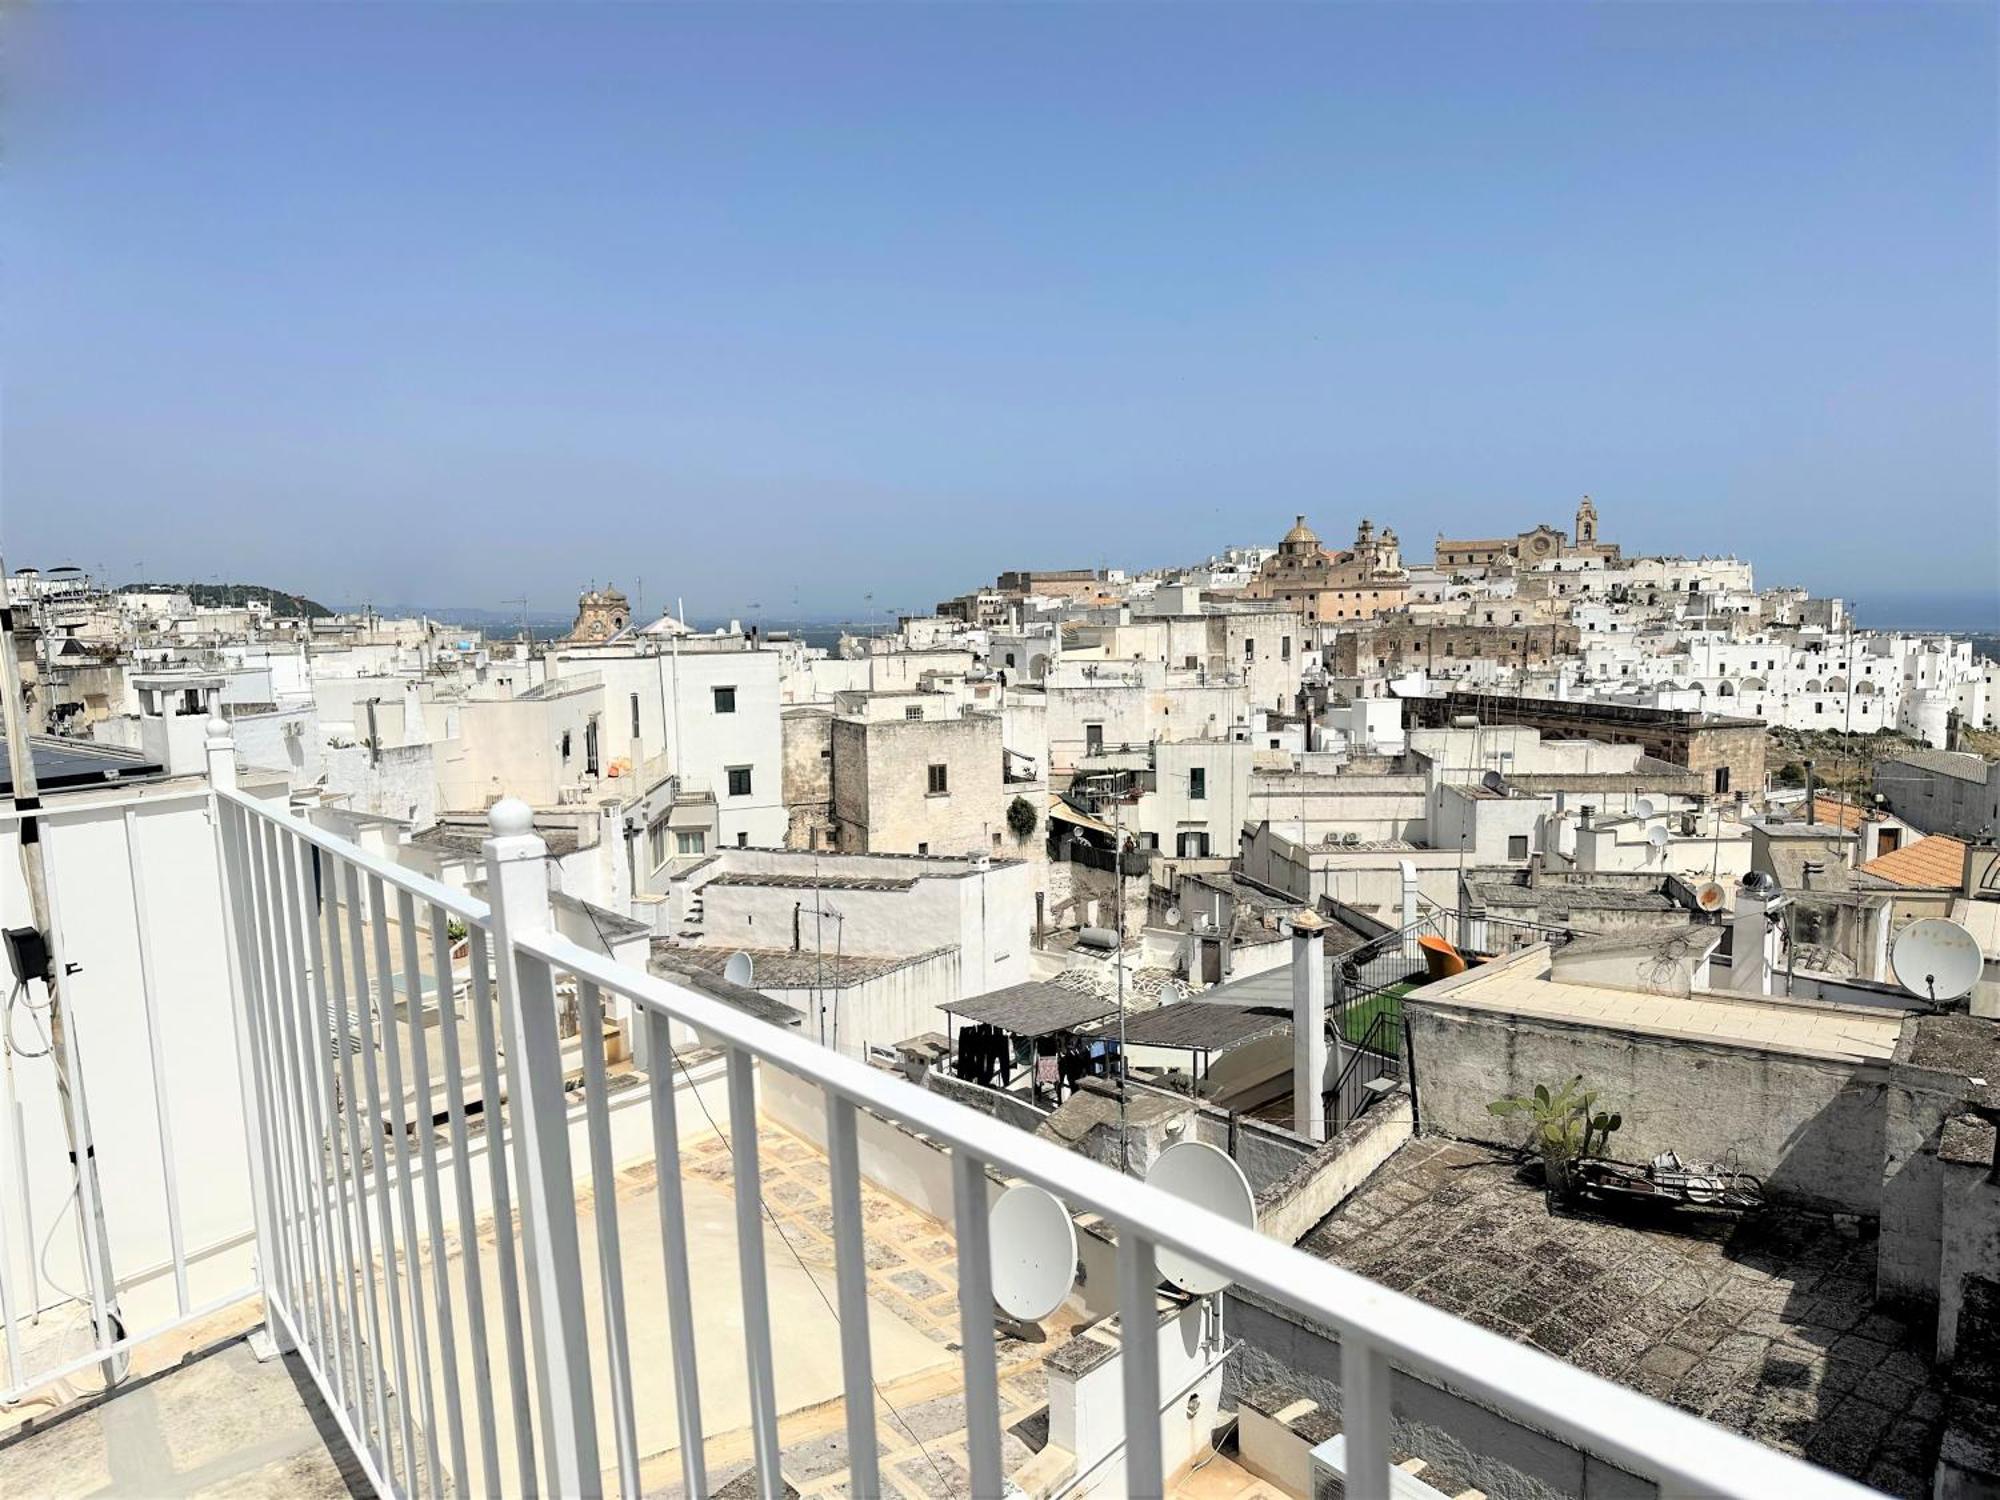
column 17, row 996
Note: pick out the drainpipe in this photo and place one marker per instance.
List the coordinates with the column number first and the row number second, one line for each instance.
column 1812, row 811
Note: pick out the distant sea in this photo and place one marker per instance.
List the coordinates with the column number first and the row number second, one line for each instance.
column 1963, row 612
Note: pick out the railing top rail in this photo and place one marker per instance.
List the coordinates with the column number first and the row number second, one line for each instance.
column 1622, row 1425
column 468, row 909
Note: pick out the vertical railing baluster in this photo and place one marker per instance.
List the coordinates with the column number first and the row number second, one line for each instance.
column 1364, row 1416
column 498, row 1126
column 227, row 818
column 517, row 882
column 468, row 1220
column 610, row 1263
column 316, row 1329
column 850, row 1253
column 329, row 963
column 673, row 1240
column 366, row 1008
column 750, row 1262
column 359, row 1117
column 975, row 1322
column 426, row 1122
column 270, row 1055
column 399, row 1140
column 311, row 1023
column 1139, row 1356
column 162, row 1115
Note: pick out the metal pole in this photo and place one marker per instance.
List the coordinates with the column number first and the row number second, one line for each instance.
column 1118, row 892
column 75, row 1107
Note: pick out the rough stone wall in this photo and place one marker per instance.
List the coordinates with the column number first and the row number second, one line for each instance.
column 808, row 777
column 1741, row 748
column 1812, row 1128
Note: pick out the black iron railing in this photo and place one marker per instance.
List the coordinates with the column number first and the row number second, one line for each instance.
column 1369, row 1038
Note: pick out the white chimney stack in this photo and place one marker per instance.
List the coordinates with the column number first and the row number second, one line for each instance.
column 1309, row 1061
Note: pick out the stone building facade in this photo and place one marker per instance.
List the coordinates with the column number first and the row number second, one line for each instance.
column 1366, row 580
column 600, row 615
column 1727, row 755
column 1542, row 544
column 919, row 786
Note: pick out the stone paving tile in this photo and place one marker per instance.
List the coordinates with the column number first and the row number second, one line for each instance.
column 1765, row 1325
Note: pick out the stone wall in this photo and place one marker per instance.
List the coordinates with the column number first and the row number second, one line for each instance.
column 1810, row 1127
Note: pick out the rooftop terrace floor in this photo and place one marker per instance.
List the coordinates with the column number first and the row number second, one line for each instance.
column 1765, row 1326
column 217, row 1424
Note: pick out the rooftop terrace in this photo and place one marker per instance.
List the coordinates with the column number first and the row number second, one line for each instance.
column 1766, row 1326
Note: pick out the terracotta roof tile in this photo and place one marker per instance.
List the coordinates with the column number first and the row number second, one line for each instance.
column 1932, row 861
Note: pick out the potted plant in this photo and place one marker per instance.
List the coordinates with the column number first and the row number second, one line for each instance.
column 1566, row 1128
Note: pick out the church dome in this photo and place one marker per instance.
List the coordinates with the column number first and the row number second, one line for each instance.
column 1301, row 535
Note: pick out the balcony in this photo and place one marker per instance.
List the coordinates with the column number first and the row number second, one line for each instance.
column 634, row 1239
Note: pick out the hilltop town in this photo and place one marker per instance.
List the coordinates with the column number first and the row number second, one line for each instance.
column 1323, row 859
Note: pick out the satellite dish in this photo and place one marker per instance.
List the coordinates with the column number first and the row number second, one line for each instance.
column 1034, row 1251
column 1646, row 807
column 1207, row 1178
column 1936, row 959
column 1173, row 916
column 1493, row 781
column 1658, row 836
column 1712, row 896
column 737, row 970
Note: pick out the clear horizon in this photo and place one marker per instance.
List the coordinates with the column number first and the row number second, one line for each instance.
column 793, row 306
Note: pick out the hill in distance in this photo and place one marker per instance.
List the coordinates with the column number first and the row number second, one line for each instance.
column 229, row 595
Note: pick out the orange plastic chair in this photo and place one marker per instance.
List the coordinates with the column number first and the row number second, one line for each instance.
column 1440, row 958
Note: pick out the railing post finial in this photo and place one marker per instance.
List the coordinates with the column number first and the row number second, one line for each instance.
column 221, row 748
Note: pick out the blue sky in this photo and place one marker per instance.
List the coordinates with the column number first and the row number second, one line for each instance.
column 452, row 304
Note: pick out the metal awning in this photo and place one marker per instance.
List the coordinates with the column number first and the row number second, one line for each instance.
column 1200, row 1025
column 1062, row 812
column 1033, row 1009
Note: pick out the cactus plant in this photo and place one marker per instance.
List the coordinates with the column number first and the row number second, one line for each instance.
column 1567, row 1127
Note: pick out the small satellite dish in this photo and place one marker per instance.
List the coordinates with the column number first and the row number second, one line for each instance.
column 1936, row 959
column 1645, row 807
column 1658, row 836
column 1712, row 896
column 737, row 970
column 1207, row 1178
column 1034, row 1251
column 1493, row 781
column 1173, row 916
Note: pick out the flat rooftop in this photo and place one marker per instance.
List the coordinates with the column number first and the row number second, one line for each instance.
column 1766, row 1326
column 1524, row 986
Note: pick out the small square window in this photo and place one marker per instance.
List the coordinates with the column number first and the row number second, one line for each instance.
column 694, row 842
column 739, row 781
column 725, row 700
column 939, row 780
column 913, row 710
column 1517, row 846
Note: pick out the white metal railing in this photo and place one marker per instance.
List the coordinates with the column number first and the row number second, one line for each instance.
column 358, row 1280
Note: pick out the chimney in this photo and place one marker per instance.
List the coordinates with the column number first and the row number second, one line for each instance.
column 1583, row 815
column 1755, row 942
column 1309, row 1060
column 1812, row 802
